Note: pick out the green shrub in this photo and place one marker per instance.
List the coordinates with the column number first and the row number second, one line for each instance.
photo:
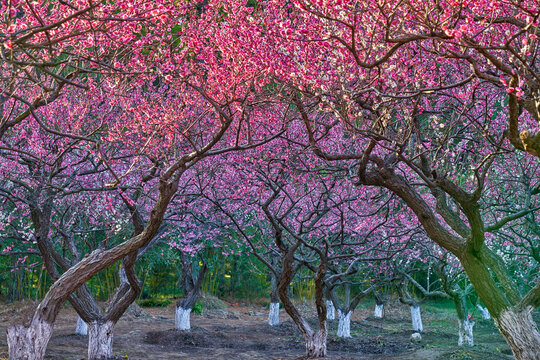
column 197, row 309
column 211, row 302
column 154, row 303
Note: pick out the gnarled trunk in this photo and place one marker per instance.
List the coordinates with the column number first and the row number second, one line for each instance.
column 100, row 340
column 29, row 343
column 416, row 318
column 316, row 345
column 520, row 332
column 182, row 318
column 192, row 286
column 273, row 314
column 330, row 310
column 378, row 312
column 465, row 332
column 82, row 327
column 344, row 325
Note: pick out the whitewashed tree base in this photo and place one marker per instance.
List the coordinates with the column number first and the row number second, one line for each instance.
column 484, row 312
column 465, row 332
column 100, row 340
column 29, row 343
column 273, row 314
column 82, row 327
column 378, row 313
column 183, row 318
column 416, row 319
column 344, row 325
column 330, row 310
column 316, row 346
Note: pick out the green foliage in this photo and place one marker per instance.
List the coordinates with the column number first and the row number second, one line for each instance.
column 197, row 309
column 154, row 302
column 211, row 302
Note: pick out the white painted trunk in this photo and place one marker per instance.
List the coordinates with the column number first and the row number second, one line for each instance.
column 416, row 319
column 330, row 310
column 520, row 332
column 183, row 318
column 273, row 314
column 29, row 343
column 465, row 332
column 344, row 325
column 100, row 340
column 82, row 327
column 484, row 312
column 378, row 313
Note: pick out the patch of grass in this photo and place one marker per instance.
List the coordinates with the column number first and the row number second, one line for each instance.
column 460, row 355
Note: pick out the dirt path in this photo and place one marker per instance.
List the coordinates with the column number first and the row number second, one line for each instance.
column 242, row 333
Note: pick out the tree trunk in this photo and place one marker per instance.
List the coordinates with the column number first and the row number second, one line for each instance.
column 378, row 313
column 316, row 345
column 273, row 314
column 416, row 318
column 520, row 332
column 82, row 327
column 29, row 343
column 100, row 340
column 465, row 332
column 344, row 325
column 183, row 318
column 484, row 312
column 330, row 310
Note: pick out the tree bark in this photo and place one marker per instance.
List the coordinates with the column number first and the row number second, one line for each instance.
column 416, row 318
column 465, row 332
column 100, row 340
column 315, row 341
column 379, row 305
column 182, row 318
column 82, row 327
column 378, row 312
column 273, row 314
column 344, row 325
column 520, row 332
column 330, row 310
column 316, row 345
column 192, row 288
column 29, row 343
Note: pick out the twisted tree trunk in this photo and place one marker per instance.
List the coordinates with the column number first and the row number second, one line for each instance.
column 192, row 287
column 315, row 340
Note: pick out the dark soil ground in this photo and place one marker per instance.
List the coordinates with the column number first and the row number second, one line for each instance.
column 241, row 332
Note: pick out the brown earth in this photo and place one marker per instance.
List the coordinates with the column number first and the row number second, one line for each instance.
column 241, row 332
